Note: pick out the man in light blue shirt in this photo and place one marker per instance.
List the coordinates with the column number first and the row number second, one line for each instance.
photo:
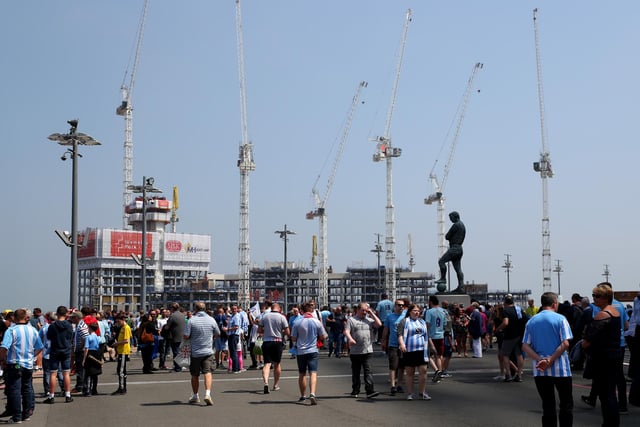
column 20, row 345
column 305, row 333
column 545, row 341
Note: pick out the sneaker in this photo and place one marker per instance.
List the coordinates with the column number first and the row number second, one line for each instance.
column 68, row 399
column 436, row 376
column 266, row 389
column 12, row 421
column 508, row 379
column 276, row 387
column 498, row 377
column 194, row 399
column 393, row 391
column 208, row 400
column 517, row 379
column 410, row 396
column 354, row 394
column 425, row 396
column 372, row 394
column 445, row 374
column 117, row 392
column 49, row 400
column 586, row 400
column 399, row 389
column 313, row 400
column 302, row 399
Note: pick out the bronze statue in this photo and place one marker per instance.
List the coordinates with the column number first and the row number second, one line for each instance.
column 455, row 236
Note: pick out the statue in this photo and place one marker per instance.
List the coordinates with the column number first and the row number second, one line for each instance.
column 455, row 236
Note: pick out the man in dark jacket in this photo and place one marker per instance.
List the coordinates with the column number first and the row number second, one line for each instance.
column 175, row 325
column 60, row 334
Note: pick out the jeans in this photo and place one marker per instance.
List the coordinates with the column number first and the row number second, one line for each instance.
column 20, row 396
column 233, row 344
column 335, row 343
column 361, row 362
column 546, row 389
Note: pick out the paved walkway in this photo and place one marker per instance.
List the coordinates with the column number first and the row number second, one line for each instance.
column 470, row 398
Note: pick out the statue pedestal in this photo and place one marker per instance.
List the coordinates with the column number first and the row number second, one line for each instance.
column 463, row 299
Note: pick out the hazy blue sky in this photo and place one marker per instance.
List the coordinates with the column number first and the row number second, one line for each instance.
column 304, row 59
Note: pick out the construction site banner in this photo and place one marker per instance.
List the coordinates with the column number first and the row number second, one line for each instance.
column 107, row 243
column 187, row 247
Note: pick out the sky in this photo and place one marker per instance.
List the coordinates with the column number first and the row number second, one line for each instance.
column 303, row 61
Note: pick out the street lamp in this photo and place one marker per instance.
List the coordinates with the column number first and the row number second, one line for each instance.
column 284, row 236
column 72, row 140
column 146, row 187
column 377, row 250
column 558, row 269
column 606, row 273
column 507, row 267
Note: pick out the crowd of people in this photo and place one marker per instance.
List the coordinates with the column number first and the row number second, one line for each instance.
column 560, row 338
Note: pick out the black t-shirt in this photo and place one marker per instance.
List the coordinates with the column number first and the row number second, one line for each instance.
column 338, row 325
column 515, row 328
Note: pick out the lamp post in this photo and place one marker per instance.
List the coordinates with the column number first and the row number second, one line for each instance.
column 558, row 269
column 606, row 273
column 284, row 236
column 507, row 267
column 377, row 250
column 146, row 187
column 72, row 140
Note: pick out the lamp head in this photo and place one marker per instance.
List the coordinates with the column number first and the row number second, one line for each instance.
column 73, row 123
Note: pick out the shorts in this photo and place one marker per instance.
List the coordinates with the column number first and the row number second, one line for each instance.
column 307, row 362
column 438, row 343
column 221, row 344
column 272, row 351
column 59, row 362
column 414, row 358
column 448, row 350
column 203, row 364
column 394, row 358
column 510, row 345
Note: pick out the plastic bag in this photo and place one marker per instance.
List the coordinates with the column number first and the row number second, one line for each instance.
column 257, row 348
column 183, row 358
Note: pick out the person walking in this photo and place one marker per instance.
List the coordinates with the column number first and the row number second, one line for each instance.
column 305, row 334
column 413, row 339
column 546, row 341
column 201, row 330
column 358, row 332
column 273, row 327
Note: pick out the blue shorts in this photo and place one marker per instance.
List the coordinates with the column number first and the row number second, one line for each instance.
column 221, row 344
column 59, row 362
column 308, row 362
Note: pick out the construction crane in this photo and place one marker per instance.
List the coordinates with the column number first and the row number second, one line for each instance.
column 125, row 109
column 384, row 150
column 320, row 202
column 438, row 186
column 543, row 166
column 246, row 165
column 174, row 210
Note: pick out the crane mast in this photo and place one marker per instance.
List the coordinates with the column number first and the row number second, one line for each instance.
column 246, row 165
column 320, row 212
column 543, row 166
column 125, row 109
column 385, row 150
column 438, row 187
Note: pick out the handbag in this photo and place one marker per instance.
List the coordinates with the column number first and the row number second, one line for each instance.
column 146, row 337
